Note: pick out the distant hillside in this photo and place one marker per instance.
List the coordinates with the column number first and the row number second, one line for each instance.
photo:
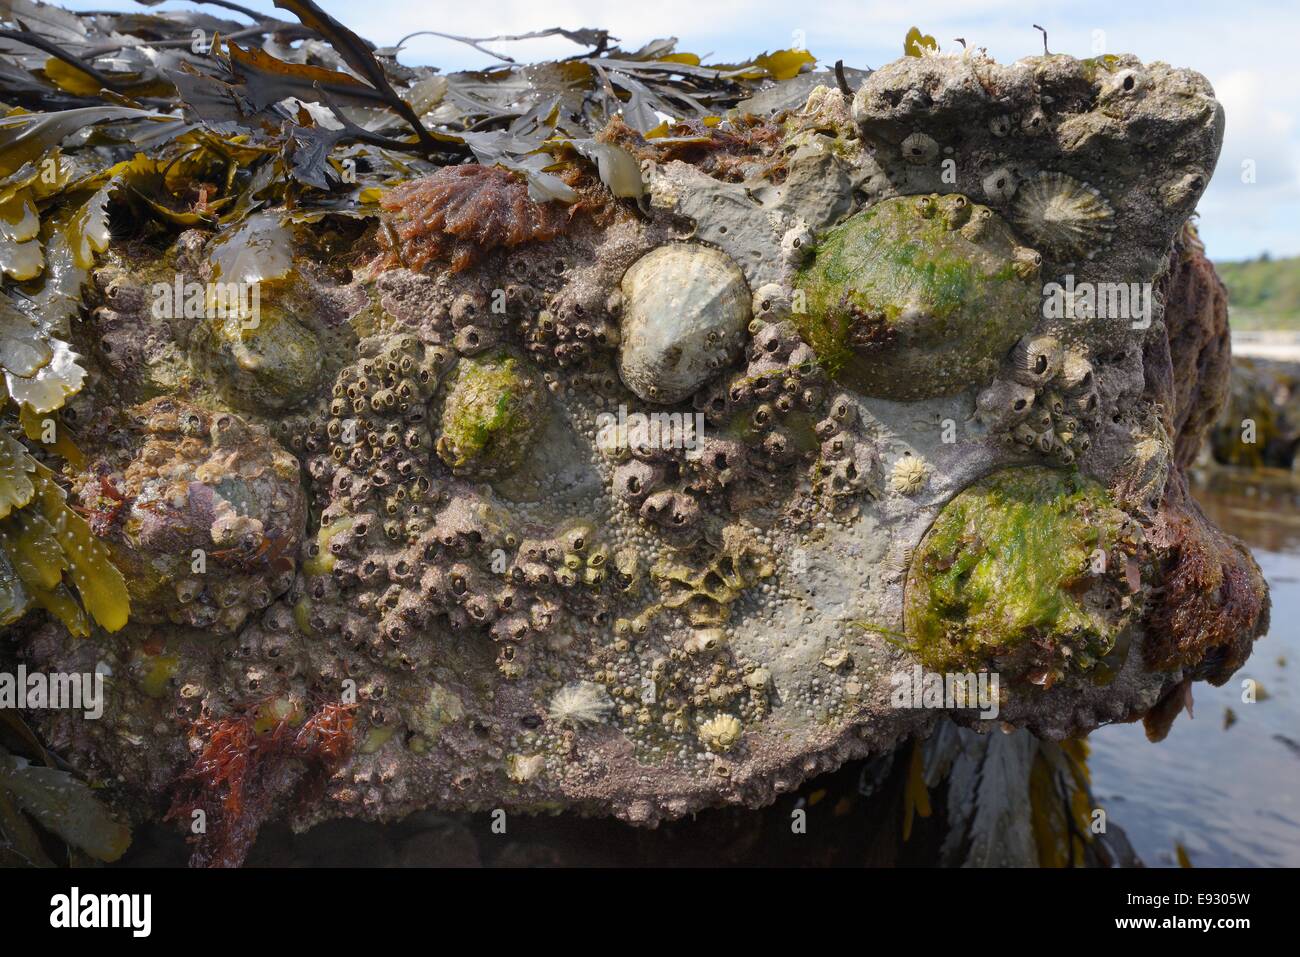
column 1263, row 293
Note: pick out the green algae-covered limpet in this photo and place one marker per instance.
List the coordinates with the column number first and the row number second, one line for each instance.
column 494, row 410
column 1030, row 571
column 917, row 297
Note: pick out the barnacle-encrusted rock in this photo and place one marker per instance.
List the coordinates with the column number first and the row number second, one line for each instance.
column 531, row 607
column 202, row 512
column 1031, row 572
column 494, row 410
column 685, row 306
column 917, row 297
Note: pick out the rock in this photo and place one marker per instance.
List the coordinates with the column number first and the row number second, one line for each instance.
column 642, row 510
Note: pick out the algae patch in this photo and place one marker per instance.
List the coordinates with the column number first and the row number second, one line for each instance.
column 1027, row 570
column 917, row 297
column 493, row 412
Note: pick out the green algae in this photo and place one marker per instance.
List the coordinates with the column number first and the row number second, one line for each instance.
column 1025, row 571
column 493, row 412
column 917, row 297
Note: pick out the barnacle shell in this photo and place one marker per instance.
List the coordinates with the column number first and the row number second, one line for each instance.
column 721, row 732
column 1003, row 404
column 1076, row 373
column 1035, row 360
column 908, row 475
column 1000, row 185
column 797, row 244
column 1065, row 216
column 920, row 148
column 771, row 303
column 686, row 308
column 906, row 301
column 580, row 704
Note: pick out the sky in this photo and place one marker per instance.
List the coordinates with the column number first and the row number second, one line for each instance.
column 1237, row 46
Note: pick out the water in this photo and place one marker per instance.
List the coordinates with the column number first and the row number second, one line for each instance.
column 1228, row 792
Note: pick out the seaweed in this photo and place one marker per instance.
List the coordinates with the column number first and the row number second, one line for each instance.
column 461, row 212
column 251, row 762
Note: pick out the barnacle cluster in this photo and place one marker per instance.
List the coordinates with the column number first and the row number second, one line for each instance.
column 849, row 463
column 399, row 541
column 758, row 424
column 1048, row 403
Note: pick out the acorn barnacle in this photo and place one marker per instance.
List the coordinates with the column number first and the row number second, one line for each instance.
column 721, row 732
column 1000, row 185
column 1067, row 217
column 1035, row 360
column 1004, row 403
column 1076, row 373
column 908, row 475
column 920, row 148
column 579, row 705
column 797, row 244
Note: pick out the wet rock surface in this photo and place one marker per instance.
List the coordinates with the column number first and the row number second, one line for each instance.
column 461, row 529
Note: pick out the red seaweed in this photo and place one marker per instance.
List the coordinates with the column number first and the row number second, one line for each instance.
column 459, row 213
column 242, row 775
